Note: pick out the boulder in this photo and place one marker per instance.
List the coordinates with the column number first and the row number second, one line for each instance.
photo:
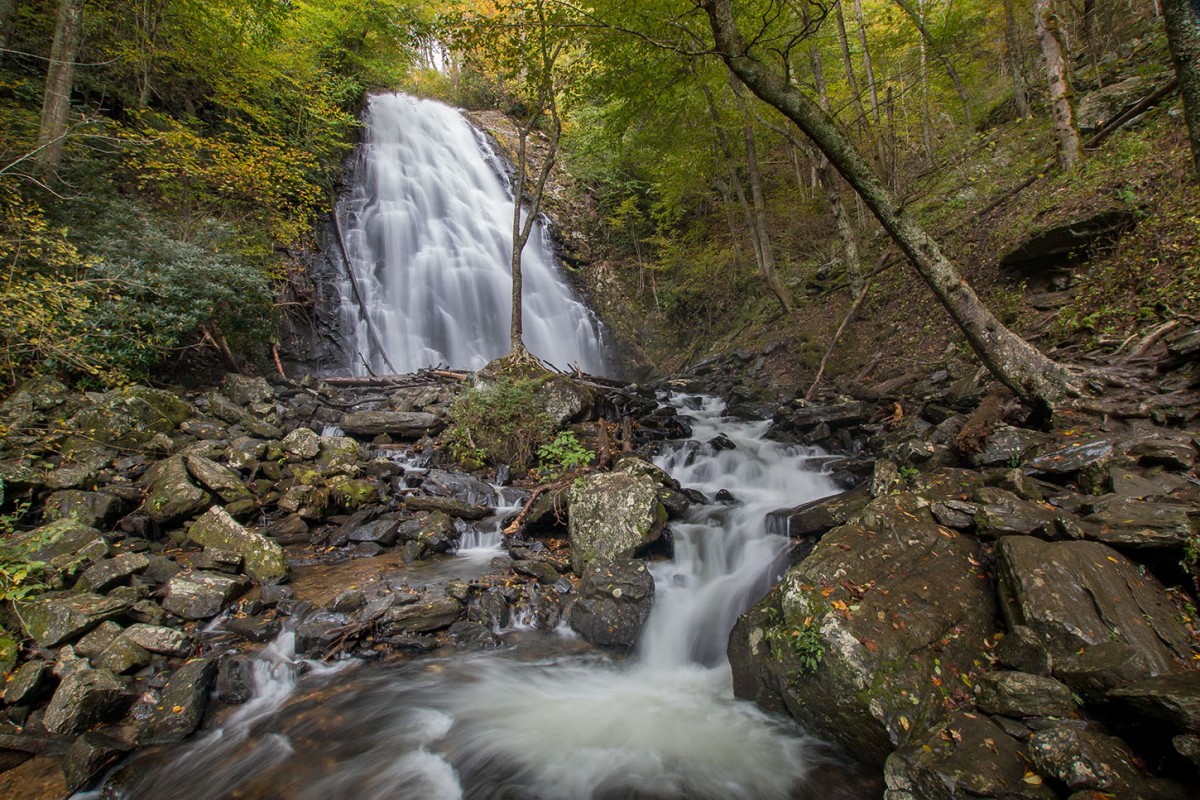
column 381, row 531
column 159, row 639
column 1007, row 445
column 84, row 698
column 967, row 756
column 246, row 389
column 264, row 559
column 1002, row 513
column 1019, row 694
column 564, row 400
column 129, row 418
column 245, row 452
column 400, row 424
column 90, row 509
column 88, row 757
column 1077, row 594
column 339, row 453
column 1086, row 760
column 171, row 497
column 851, row 642
column 1097, row 107
column 193, row 594
column 447, row 505
column 613, row 515
column 1170, row 699
column 220, row 480
column 432, row 532
column 122, row 656
column 26, row 682
column 223, row 408
column 614, row 602
column 303, row 443
column 430, row 613
column 62, row 543
column 180, row 708
column 103, row 575
column 818, row 516
column 467, row 488
column 1099, row 669
column 54, row 619
column 235, row 679
column 1128, row 522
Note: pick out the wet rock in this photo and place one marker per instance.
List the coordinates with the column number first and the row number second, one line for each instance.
column 489, row 608
column 27, row 682
column 540, row 570
column 264, row 559
column 429, row 614
column 84, row 698
column 1123, row 521
column 181, row 705
column 220, row 480
column 351, row 494
column 1170, row 699
column 447, row 505
column 878, row 592
column 52, row 620
column 399, row 424
column 348, row 601
column 88, row 758
column 159, row 639
column 103, row 575
column 122, row 656
column 171, row 497
column 1006, row 446
column 246, row 389
column 466, row 488
column 1077, row 594
column 434, row 532
column 469, row 634
column 1070, row 460
column 1023, row 650
column 291, row 529
column 967, row 756
column 613, row 516
column 614, row 602
column 194, row 594
column 235, row 679
column 1019, row 694
column 90, row 509
column 382, row 532
column 819, row 516
column 1099, row 669
column 320, row 630
column 1085, row 760
column 216, row 560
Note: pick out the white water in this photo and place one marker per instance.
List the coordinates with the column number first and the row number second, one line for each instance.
column 429, row 231
column 662, row 725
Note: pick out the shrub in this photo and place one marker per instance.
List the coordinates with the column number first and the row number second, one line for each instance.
column 500, row 424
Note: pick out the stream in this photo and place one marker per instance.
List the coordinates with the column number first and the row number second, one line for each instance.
column 545, row 716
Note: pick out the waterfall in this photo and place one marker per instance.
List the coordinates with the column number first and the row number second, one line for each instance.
column 428, row 233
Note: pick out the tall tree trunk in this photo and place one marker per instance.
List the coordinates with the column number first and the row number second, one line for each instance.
column 1020, row 366
column 1069, row 149
column 56, row 103
column 1183, row 32
column 866, row 54
column 833, row 189
column 523, row 222
column 767, row 263
column 848, row 63
column 7, row 10
column 917, row 15
column 1012, row 52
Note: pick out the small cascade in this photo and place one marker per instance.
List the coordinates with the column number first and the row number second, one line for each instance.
column 428, row 232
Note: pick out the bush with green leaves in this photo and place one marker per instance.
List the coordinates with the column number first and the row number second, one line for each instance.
column 562, row 455
column 502, row 423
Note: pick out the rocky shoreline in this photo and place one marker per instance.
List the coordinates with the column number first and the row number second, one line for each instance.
column 989, row 610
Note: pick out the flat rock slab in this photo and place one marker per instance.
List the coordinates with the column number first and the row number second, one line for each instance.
column 103, row 575
column 54, row 620
column 447, row 505
column 85, row 697
column 170, row 494
column 1139, row 523
column 402, row 424
column 430, row 614
column 1066, row 461
column 1020, row 694
column 181, row 705
column 220, row 480
column 193, row 594
column 1173, row 699
column 1077, row 594
column 264, row 559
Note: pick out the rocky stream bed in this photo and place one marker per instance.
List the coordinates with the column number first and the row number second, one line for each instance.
column 987, row 610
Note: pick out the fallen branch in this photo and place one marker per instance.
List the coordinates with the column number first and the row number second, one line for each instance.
column 358, row 296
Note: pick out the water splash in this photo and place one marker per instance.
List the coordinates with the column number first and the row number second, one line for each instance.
column 429, row 233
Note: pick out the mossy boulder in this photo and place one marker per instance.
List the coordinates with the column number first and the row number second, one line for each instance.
column 170, row 494
column 865, row 640
column 264, row 559
column 129, row 418
column 613, row 516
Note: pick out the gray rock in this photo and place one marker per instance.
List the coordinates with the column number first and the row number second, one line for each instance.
column 1188, row 746
column 302, row 443
column 819, row 516
column 1006, row 446
column 222, row 408
column 61, row 543
column 968, row 756
column 103, row 575
column 434, row 532
column 129, row 418
column 885, row 478
column 264, row 559
column 381, row 531
column 1002, row 513
column 52, row 619
column 320, row 630
column 171, row 497
column 957, row 514
column 93, row 643
column 1095, row 108
column 122, row 656
column 159, row 639
column 429, row 614
column 878, row 592
column 339, row 453
column 613, row 515
column 245, row 452
column 614, row 602
column 540, row 570
column 1070, row 460
column 348, row 601
column 1085, row 760
column 1128, row 522
column 565, row 400
column 469, row 489
column 220, row 480
column 193, row 594
column 91, row 509
column 447, row 505
column 84, row 698
column 246, row 389
column 235, row 679
column 1019, row 694
column 26, row 683
column 399, row 424
column 180, row 708
column 1023, row 650
column 1077, row 594
column 1172, row 454
column 88, row 757
column 1171, row 699
column 1101, row 668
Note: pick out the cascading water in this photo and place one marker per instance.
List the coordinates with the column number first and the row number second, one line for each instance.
column 428, row 231
column 550, row 718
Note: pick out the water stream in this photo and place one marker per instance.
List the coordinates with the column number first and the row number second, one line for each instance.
column 546, row 717
column 428, row 227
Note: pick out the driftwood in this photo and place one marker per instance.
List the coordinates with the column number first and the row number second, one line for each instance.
column 412, row 379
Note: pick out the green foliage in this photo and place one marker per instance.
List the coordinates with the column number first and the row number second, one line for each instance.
column 20, row 573
column 562, row 455
column 1191, row 559
column 500, row 424
column 798, row 647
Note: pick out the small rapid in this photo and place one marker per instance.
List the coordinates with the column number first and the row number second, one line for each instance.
column 548, row 717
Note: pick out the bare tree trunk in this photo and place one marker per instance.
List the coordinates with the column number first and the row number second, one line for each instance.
column 56, row 103
column 1182, row 18
column 917, row 15
column 833, row 189
column 1069, row 150
column 523, row 223
column 1013, row 49
column 1028, row 372
column 7, row 10
column 848, row 63
column 866, row 53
